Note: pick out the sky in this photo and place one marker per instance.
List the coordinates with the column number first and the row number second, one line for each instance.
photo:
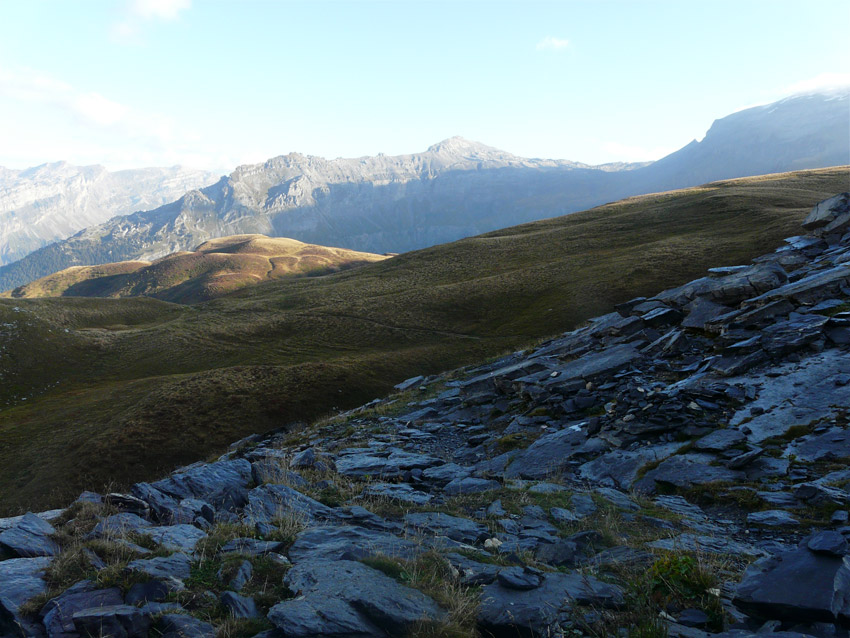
column 213, row 84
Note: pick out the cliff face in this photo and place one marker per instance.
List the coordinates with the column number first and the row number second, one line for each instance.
column 657, row 450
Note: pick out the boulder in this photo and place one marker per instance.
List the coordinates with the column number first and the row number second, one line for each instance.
column 347, row 542
column 239, row 606
column 267, row 503
column 22, row 579
column 115, row 621
column 830, row 215
column 176, row 566
column 506, row 612
column 180, row 538
column 58, row 613
column 455, row 528
column 347, row 598
column 182, row 626
column 30, row 538
column 221, row 483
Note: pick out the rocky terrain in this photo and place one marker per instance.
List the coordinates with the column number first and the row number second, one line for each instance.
column 675, row 468
column 215, row 268
column 46, row 203
column 457, row 188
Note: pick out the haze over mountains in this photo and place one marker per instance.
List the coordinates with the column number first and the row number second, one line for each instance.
column 42, row 204
column 456, row 188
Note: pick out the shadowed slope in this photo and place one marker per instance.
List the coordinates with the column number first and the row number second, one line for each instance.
column 100, row 389
column 214, row 268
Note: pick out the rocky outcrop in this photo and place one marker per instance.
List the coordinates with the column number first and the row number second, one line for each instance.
column 616, row 478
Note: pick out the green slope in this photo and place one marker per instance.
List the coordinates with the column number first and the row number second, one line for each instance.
column 100, row 390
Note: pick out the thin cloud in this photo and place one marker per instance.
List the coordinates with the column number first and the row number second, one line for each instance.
column 629, row 153
column 138, row 12
column 551, row 43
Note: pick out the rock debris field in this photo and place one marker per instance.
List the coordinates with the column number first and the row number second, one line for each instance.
column 675, row 468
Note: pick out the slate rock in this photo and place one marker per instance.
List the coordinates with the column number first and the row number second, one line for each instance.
column 30, row 538
column 221, row 483
column 772, row 518
column 563, row 516
column 826, row 212
column 116, row 621
column 828, row 542
column 618, row 499
column 539, row 612
column 181, row 538
column 183, row 626
column 443, row 474
column 720, row 440
column 458, row 529
column 267, row 503
column 398, row 492
column 551, row 452
column 348, row 542
column 471, row 485
column 153, row 591
column 707, row 544
column 346, row 598
column 240, row 606
column 240, row 577
column 470, row 572
column 22, row 579
column 119, row 525
column 797, row 586
column 520, row 578
column 176, row 566
column 58, row 613
column 251, row 547
column 686, row 470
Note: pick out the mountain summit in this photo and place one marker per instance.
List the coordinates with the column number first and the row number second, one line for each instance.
column 456, row 188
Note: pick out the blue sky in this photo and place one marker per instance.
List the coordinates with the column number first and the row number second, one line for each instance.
column 214, row 84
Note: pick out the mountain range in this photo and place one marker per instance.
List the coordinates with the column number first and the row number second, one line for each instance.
column 50, row 202
column 455, row 189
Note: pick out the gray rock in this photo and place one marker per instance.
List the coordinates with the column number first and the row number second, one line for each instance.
column 551, row 453
column 268, row 503
column 119, row 525
column 828, row 542
column 563, row 516
column 221, row 483
column 240, row 578
column 797, row 586
column 520, row 578
column 182, row 626
column 150, row 592
column 360, row 465
column 701, row 311
column 252, row 547
column 540, row 611
column 772, row 518
column 826, row 213
column 621, row 468
column 708, row 544
column 618, row 499
column 443, row 474
column 30, row 538
column 471, row 485
column 595, row 364
column 22, row 579
column 398, row 492
column 458, row 529
column 176, row 566
column 346, row 598
column 582, row 504
column 348, row 543
column 470, row 572
column 720, row 440
column 58, row 613
column 686, row 470
column 240, row 606
column 181, row 538
column 116, row 621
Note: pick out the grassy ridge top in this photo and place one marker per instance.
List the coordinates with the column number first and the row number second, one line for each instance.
column 103, row 389
column 215, row 268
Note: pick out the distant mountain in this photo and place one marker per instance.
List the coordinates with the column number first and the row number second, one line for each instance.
column 456, row 188
column 45, row 203
column 214, row 268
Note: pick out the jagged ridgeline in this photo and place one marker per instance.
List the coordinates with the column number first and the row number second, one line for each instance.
column 117, row 390
column 674, row 468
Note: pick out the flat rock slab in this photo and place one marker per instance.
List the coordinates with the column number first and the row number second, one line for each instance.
column 20, row 580
column 182, row 626
column 507, row 612
column 551, row 453
column 595, row 364
column 120, row 524
column 800, row 393
column 348, row 542
column 211, row 482
column 686, row 470
column 457, row 529
column 621, row 468
column 799, row 586
column 58, row 613
column 398, row 492
column 772, row 518
column 49, row 515
column 347, row 598
column 708, row 544
column 376, row 465
column 116, row 621
column 177, row 566
column 831, row 445
column 271, row 502
column 30, row 538
column 181, row 538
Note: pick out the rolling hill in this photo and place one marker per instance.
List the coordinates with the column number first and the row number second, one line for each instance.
column 457, row 188
column 116, row 390
column 214, row 268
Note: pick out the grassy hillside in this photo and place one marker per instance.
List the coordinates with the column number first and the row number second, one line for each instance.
column 123, row 389
column 213, row 269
